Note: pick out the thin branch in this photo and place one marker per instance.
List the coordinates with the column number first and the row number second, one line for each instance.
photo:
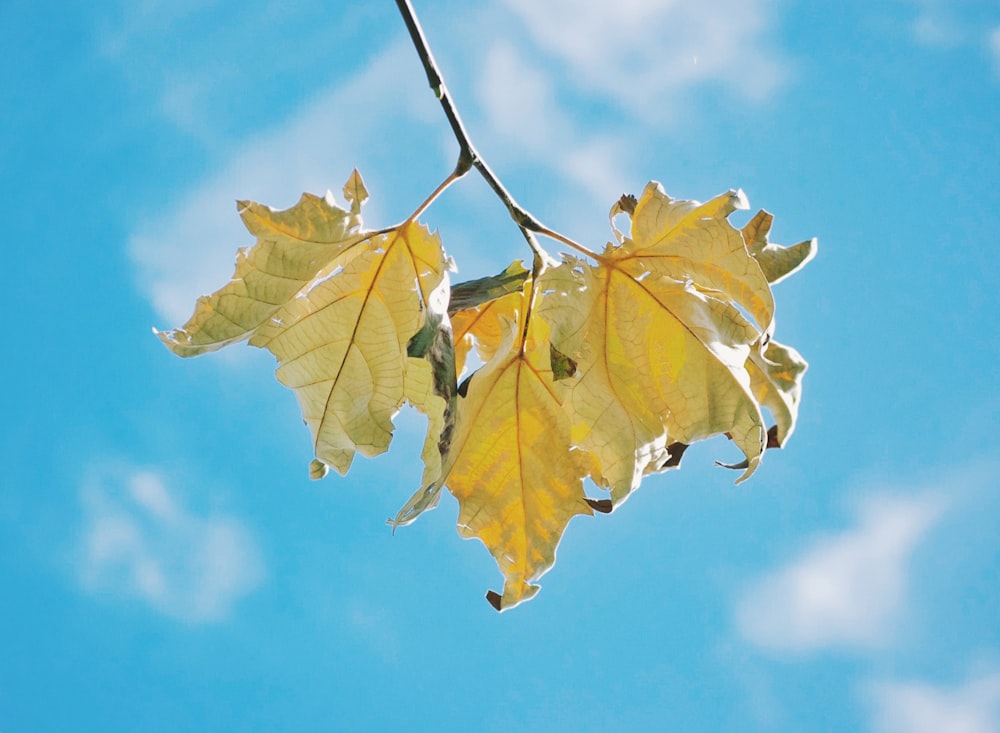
column 468, row 157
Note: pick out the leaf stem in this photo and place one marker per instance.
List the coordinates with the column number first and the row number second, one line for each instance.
column 468, row 156
column 454, row 176
column 546, row 232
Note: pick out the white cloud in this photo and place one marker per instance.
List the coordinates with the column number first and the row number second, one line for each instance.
column 641, row 53
column 917, row 707
column 519, row 103
column 845, row 589
column 188, row 249
column 140, row 542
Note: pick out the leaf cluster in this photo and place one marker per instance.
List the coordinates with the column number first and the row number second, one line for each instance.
column 598, row 365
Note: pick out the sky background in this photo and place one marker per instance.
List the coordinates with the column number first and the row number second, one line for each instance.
column 167, row 564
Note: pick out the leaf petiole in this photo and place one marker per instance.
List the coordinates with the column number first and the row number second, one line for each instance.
column 442, row 187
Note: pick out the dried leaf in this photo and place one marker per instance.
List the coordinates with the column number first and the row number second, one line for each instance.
column 511, row 468
column 775, row 261
column 338, row 308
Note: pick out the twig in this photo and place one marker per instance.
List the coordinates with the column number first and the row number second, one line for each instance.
column 468, row 156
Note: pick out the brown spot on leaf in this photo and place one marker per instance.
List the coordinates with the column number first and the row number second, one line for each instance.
column 562, row 366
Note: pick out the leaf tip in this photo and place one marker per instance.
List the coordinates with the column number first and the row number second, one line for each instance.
column 494, row 599
column 355, row 191
column 739, row 199
column 604, row 506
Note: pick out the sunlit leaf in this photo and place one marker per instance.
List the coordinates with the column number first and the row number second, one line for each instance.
column 511, row 468
column 776, row 380
column 338, row 308
column 775, row 261
column 477, row 308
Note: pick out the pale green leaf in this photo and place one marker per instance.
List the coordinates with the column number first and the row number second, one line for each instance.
column 338, row 307
column 775, row 261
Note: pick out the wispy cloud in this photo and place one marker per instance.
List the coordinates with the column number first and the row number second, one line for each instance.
column 520, row 106
column 640, row 53
column 845, row 589
column 918, row 707
column 636, row 62
column 189, row 248
column 140, row 541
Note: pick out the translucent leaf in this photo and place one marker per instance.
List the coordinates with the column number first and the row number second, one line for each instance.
column 775, row 261
column 338, row 308
column 511, row 467
column 292, row 247
column 776, row 380
column 660, row 338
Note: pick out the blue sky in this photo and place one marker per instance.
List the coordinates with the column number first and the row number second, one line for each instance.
column 169, row 566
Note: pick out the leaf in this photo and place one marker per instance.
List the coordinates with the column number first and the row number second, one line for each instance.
column 661, row 342
column 511, row 467
column 776, row 262
column 338, row 308
column 474, row 293
column 292, row 247
column 432, row 381
column 776, row 380
column 480, row 324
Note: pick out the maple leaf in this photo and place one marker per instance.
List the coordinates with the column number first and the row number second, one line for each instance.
column 511, row 464
column 658, row 331
column 338, row 307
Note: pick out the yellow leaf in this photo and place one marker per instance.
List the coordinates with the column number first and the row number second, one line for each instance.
column 775, row 261
column 660, row 338
column 476, row 309
column 687, row 240
column 511, row 466
column 482, row 327
column 292, row 246
column 776, row 380
column 337, row 307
